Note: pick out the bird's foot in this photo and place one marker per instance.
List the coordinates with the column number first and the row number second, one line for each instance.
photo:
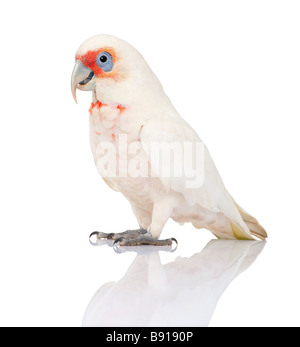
column 129, row 234
column 144, row 240
column 131, row 238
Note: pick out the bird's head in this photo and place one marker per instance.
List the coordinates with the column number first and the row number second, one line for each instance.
column 111, row 68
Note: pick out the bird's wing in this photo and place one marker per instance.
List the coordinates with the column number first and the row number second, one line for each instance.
column 211, row 193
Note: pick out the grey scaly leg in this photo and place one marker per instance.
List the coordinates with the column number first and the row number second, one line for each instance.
column 138, row 237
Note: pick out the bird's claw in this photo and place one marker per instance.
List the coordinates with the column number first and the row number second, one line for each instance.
column 130, row 240
column 97, row 238
column 144, row 241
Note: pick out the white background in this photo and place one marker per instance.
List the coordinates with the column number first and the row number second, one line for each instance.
column 231, row 69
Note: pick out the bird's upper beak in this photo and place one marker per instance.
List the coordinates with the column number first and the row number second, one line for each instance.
column 83, row 78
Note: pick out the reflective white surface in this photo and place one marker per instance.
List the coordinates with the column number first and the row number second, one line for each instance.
column 181, row 293
column 64, row 281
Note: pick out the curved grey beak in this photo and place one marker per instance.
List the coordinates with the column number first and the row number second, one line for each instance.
column 83, row 78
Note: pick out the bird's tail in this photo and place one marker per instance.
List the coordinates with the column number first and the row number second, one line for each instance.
column 255, row 228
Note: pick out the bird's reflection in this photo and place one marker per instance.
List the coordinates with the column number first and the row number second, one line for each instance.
column 181, row 293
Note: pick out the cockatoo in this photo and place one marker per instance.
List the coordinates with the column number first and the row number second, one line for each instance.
column 130, row 117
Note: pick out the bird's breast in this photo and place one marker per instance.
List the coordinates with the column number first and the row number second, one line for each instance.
column 104, row 118
column 119, row 155
column 116, row 147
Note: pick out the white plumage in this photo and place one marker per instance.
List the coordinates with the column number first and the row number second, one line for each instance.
column 129, row 103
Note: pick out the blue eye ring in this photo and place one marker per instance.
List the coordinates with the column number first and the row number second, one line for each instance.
column 104, row 60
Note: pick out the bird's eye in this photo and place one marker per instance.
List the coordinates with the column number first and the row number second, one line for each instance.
column 105, row 61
